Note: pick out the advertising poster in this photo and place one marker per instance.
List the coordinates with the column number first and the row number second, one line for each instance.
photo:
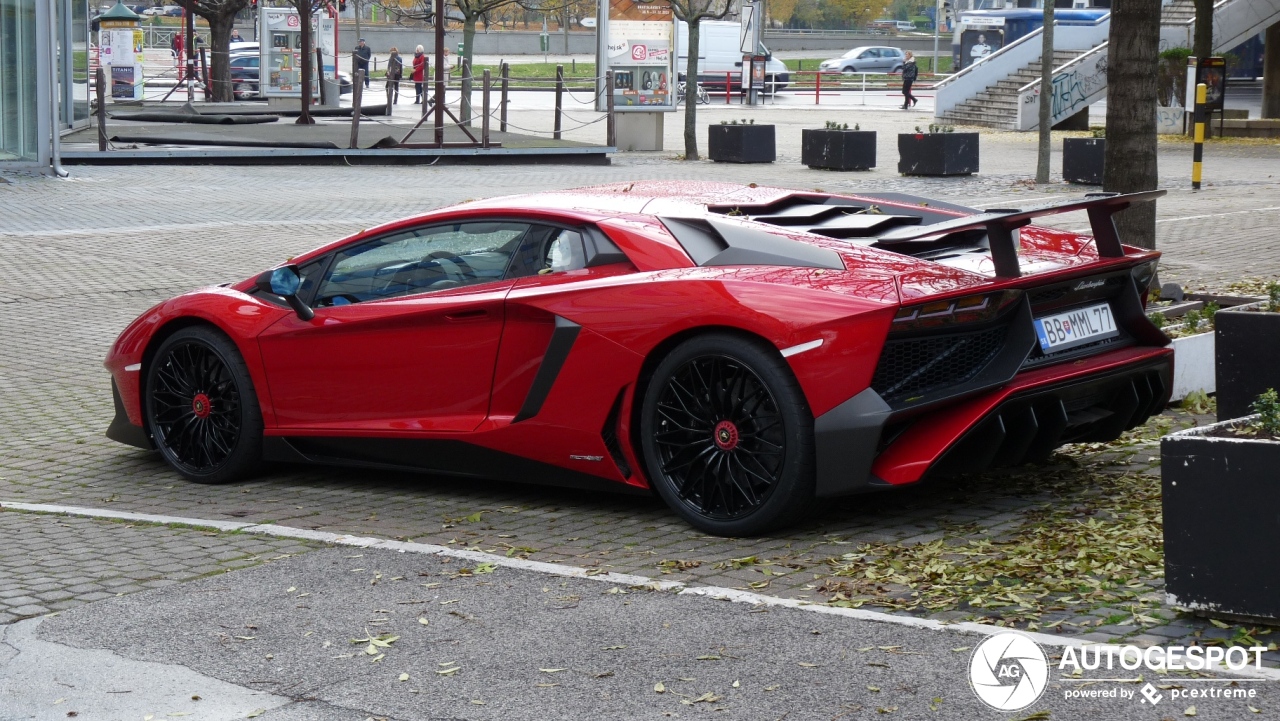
column 122, row 82
column 638, row 47
column 1212, row 72
column 281, row 63
column 977, row 44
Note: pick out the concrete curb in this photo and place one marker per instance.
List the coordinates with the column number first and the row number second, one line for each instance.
column 555, row 569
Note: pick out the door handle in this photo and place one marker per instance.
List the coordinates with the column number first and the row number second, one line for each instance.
column 463, row 315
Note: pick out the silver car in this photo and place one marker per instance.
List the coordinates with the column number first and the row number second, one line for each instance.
column 875, row 59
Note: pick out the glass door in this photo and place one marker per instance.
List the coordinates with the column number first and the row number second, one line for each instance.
column 18, row 59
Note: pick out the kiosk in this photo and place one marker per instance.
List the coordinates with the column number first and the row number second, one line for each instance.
column 280, row 50
column 636, row 41
column 120, row 52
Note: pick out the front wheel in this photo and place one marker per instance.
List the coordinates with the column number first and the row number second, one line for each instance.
column 728, row 436
column 201, row 409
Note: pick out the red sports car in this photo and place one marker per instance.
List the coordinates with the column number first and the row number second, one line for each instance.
column 743, row 351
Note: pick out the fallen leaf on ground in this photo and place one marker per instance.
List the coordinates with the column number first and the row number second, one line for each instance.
column 659, row 687
column 1191, row 711
column 804, row 664
column 552, row 670
column 404, row 677
column 449, row 671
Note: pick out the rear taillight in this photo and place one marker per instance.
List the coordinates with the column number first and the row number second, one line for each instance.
column 1142, row 275
column 943, row 313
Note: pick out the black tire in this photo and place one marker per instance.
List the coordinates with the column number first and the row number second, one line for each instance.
column 201, row 409
column 727, row 436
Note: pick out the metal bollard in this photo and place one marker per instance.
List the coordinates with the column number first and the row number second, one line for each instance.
column 1197, row 154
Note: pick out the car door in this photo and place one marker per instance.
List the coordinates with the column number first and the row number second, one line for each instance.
column 866, row 62
column 405, row 335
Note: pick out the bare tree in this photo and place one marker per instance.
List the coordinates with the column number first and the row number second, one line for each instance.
column 221, row 16
column 1202, row 46
column 306, row 11
column 1046, row 96
column 693, row 12
column 1133, row 55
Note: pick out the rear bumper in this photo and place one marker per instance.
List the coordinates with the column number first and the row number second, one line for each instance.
column 1092, row 399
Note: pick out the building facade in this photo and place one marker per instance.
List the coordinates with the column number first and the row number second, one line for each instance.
column 44, row 76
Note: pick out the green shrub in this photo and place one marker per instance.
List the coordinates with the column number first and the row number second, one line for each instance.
column 1268, row 409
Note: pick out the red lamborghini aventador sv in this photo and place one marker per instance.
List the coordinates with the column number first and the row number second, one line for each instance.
column 742, row 351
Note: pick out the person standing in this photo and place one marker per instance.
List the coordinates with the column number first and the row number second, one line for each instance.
column 909, row 74
column 395, row 71
column 419, row 74
column 362, row 53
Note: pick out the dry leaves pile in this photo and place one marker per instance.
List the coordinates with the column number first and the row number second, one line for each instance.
column 1098, row 541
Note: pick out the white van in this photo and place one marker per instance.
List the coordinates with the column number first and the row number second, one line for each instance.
column 718, row 54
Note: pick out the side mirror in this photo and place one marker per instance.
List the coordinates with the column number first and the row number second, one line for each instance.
column 285, row 282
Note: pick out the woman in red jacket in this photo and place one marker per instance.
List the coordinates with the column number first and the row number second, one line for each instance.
column 419, row 73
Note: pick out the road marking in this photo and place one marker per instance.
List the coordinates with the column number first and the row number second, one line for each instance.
column 556, row 569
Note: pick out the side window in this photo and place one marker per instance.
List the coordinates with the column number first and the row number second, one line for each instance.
column 549, row 250
column 868, row 54
column 421, row 261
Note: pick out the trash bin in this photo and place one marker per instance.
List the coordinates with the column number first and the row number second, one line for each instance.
column 332, row 92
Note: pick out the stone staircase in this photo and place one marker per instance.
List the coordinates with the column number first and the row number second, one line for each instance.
column 1178, row 12
column 997, row 106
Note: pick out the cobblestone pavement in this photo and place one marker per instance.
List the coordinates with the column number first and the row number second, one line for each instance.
column 80, row 258
column 51, row 563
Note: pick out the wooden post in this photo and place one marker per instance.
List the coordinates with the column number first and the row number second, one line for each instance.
column 357, row 89
column 101, row 79
column 502, row 104
column 559, row 98
column 320, row 74
column 611, row 130
column 484, row 107
column 817, row 88
column 464, row 104
column 204, row 73
column 439, row 51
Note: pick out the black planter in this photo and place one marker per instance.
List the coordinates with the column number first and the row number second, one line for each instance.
column 938, row 153
column 838, row 149
column 1082, row 160
column 1220, row 524
column 741, row 143
column 1248, row 349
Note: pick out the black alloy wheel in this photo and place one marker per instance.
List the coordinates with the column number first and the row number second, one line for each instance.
column 728, row 437
column 201, row 409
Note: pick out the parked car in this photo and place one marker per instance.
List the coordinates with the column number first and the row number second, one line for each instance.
column 152, row 12
column 173, row 11
column 746, row 352
column 244, row 48
column 246, row 75
column 878, row 59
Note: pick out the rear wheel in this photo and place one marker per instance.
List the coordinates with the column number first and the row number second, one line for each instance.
column 728, row 437
column 201, row 409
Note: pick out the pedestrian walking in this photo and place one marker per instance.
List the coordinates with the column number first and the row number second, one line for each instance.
column 909, row 74
column 395, row 71
column 362, row 53
column 419, row 74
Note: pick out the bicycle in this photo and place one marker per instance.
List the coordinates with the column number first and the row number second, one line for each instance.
column 703, row 97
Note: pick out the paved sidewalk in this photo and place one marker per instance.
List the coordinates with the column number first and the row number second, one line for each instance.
column 53, row 563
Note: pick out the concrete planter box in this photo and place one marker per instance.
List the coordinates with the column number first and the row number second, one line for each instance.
column 1220, row 525
column 1193, row 365
column 1082, row 160
column 838, row 149
column 741, row 143
column 938, row 153
column 1248, row 344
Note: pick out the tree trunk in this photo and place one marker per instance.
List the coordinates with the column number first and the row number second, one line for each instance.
column 691, row 91
column 1203, row 45
column 304, row 15
column 1271, row 74
column 1046, row 96
column 220, row 64
column 1133, row 56
column 468, row 42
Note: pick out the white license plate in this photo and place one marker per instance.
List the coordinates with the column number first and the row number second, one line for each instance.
column 1075, row 327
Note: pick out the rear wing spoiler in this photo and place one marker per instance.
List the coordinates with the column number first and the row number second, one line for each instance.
column 1000, row 224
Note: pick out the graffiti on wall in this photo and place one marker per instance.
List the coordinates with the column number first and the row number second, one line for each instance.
column 1071, row 90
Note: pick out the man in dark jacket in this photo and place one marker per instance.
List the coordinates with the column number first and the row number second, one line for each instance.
column 909, row 74
column 362, row 53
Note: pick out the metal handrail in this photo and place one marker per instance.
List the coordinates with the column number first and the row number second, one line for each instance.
column 1038, row 32
column 1077, row 59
